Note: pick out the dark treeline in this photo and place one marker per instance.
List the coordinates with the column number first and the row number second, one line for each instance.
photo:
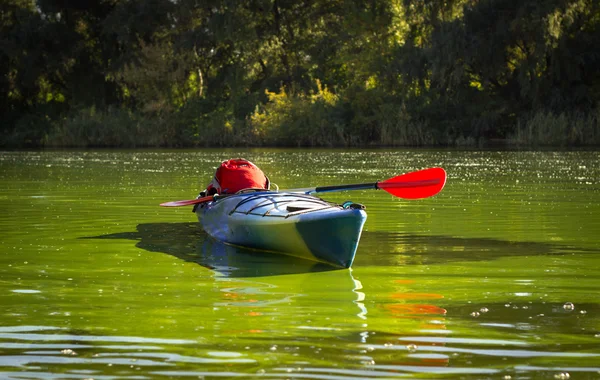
column 287, row 72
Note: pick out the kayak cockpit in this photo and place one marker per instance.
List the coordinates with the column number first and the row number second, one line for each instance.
column 270, row 204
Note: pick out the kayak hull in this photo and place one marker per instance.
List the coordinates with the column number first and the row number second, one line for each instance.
column 294, row 224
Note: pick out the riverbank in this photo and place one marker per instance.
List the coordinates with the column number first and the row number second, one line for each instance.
column 304, row 126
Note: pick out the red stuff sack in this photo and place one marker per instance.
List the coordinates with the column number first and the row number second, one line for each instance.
column 235, row 175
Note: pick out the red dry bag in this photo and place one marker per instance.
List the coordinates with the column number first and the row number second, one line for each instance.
column 235, row 175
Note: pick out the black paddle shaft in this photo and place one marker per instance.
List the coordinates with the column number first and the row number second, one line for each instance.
column 358, row 186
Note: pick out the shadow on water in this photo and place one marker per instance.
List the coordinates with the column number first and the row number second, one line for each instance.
column 390, row 248
column 188, row 242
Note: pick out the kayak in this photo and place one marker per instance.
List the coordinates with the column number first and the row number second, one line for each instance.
column 294, row 224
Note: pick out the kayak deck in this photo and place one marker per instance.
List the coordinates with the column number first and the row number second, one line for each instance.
column 283, row 206
column 294, row 224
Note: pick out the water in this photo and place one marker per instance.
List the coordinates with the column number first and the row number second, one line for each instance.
column 496, row 277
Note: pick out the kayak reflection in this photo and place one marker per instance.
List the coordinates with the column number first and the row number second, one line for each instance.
column 419, row 329
column 188, row 242
column 324, row 304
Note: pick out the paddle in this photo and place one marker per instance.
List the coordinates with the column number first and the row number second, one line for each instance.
column 188, row 202
column 415, row 185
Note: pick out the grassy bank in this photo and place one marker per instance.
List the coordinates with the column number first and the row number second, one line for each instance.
column 317, row 119
column 564, row 129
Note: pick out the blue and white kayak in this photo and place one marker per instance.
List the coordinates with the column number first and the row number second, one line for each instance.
column 290, row 223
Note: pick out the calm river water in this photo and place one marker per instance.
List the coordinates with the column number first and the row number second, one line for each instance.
column 497, row 277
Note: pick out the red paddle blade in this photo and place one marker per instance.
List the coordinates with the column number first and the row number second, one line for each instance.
column 415, row 185
column 187, row 202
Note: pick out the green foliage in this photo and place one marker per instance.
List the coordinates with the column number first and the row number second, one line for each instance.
column 206, row 124
column 120, row 127
column 309, row 73
column 91, row 128
column 550, row 129
column 398, row 128
column 519, row 57
column 30, row 131
column 159, row 81
column 299, row 120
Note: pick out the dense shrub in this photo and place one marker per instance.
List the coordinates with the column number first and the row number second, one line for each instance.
column 299, row 120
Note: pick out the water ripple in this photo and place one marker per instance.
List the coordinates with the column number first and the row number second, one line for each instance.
column 27, row 375
column 93, row 338
column 181, row 358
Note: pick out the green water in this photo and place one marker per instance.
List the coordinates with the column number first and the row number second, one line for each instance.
column 496, row 277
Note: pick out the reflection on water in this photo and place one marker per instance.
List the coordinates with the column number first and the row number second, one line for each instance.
column 187, row 242
column 393, row 248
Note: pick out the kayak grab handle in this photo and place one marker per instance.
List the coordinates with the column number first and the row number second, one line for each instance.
column 353, row 206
